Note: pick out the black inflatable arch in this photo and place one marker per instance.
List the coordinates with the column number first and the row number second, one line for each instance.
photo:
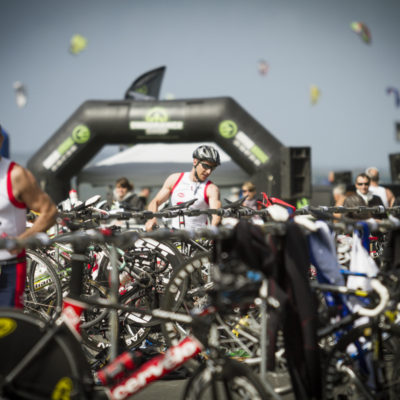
column 143, row 119
column 97, row 123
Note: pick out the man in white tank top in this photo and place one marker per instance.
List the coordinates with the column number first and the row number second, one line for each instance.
column 185, row 186
column 19, row 191
column 385, row 194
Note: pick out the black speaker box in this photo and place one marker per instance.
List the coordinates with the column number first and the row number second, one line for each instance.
column 295, row 172
column 394, row 160
column 345, row 177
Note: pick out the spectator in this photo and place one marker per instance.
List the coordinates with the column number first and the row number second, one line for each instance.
column 249, row 191
column 125, row 197
column 19, row 191
column 363, row 197
column 385, row 194
column 339, row 194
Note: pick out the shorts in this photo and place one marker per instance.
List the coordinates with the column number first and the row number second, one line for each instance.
column 12, row 284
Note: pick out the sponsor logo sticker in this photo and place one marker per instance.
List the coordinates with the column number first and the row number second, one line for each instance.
column 228, row 129
column 156, row 122
column 7, row 326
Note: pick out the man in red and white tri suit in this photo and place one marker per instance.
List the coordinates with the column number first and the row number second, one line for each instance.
column 185, row 186
column 19, row 191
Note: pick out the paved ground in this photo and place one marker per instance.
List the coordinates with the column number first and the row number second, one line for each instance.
column 171, row 390
column 162, row 390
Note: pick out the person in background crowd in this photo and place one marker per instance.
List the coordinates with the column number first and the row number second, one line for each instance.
column 186, row 186
column 249, row 190
column 19, row 191
column 125, row 197
column 385, row 194
column 339, row 194
column 363, row 196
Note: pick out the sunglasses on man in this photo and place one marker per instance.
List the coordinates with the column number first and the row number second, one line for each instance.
column 207, row 166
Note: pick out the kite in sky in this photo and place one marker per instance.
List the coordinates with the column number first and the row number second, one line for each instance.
column 263, row 67
column 396, row 94
column 77, row 44
column 362, row 30
column 315, row 93
column 21, row 97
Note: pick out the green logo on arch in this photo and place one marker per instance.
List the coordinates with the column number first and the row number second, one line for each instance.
column 81, row 134
column 157, row 114
column 142, row 89
column 228, row 129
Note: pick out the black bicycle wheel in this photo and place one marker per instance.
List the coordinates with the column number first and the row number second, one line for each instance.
column 224, row 379
column 132, row 332
column 93, row 315
column 349, row 372
column 58, row 371
column 43, row 293
column 181, row 295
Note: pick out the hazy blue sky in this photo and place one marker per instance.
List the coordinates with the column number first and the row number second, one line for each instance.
column 211, row 48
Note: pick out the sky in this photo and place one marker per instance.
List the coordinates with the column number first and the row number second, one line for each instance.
column 212, row 48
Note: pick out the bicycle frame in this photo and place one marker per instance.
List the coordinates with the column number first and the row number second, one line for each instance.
column 142, row 374
column 153, row 369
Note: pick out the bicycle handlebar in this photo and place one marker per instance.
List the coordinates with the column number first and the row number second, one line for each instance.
column 376, row 285
column 226, row 211
column 383, row 294
column 344, row 210
column 212, row 233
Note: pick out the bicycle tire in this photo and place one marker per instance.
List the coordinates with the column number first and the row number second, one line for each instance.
column 43, row 293
column 178, row 297
column 60, row 367
column 93, row 315
column 224, row 379
column 131, row 333
column 338, row 385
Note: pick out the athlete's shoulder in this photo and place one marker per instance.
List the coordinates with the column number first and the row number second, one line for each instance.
column 212, row 189
column 212, row 185
column 18, row 171
column 172, row 179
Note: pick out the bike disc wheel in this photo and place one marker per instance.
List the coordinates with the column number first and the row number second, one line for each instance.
column 59, row 369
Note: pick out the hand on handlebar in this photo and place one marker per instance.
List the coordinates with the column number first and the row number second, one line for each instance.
column 151, row 224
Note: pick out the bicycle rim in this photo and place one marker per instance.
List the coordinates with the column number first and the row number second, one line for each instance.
column 43, row 294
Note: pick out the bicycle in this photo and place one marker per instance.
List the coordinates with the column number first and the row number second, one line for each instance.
column 61, row 371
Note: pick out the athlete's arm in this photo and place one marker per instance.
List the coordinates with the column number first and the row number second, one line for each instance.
column 214, row 202
column 160, row 198
column 26, row 190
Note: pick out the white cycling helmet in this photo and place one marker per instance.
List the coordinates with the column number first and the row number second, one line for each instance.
column 207, row 153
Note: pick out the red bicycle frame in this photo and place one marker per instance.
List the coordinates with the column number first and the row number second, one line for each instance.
column 151, row 370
